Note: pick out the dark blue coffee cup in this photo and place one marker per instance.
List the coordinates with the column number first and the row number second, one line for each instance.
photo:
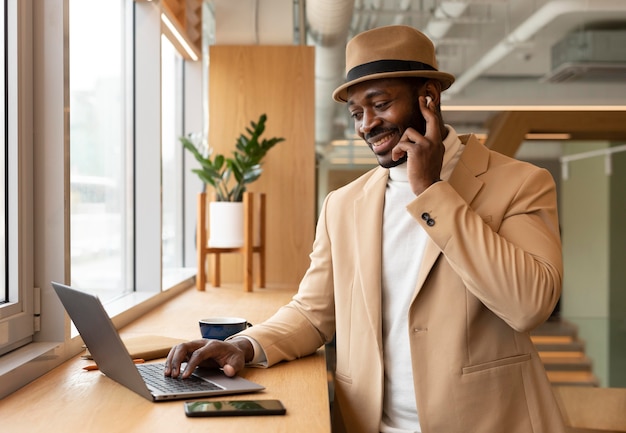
column 220, row 328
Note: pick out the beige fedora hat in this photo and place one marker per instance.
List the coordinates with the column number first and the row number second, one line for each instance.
column 390, row 51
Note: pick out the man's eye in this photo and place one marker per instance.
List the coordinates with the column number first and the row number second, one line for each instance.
column 356, row 115
column 381, row 105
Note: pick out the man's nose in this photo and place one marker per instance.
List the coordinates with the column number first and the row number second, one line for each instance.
column 368, row 122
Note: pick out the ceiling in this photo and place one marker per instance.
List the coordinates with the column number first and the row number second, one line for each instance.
column 499, row 50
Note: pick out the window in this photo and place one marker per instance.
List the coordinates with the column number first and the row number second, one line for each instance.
column 171, row 158
column 17, row 324
column 96, row 110
column 4, row 295
column 101, row 193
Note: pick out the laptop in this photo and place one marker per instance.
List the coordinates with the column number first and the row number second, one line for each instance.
column 112, row 357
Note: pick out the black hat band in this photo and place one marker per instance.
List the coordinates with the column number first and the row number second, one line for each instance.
column 381, row 66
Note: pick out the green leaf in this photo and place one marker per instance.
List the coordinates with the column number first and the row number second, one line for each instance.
column 228, row 176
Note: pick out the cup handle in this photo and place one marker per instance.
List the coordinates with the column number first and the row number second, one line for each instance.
column 248, row 324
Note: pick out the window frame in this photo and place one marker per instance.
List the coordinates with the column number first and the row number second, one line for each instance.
column 44, row 232
column 17, row 320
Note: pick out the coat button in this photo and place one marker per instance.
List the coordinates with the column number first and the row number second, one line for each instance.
column 429, row 221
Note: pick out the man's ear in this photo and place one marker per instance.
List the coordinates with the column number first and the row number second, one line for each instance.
column 432, row 88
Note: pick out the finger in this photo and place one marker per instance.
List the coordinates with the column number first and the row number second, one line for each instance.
column 168, row 363
column 212, row 354
column 226, row 356
column 409, row 137
column 426, row 104
column 398, row 151
column 201, row 352
column 175, row 357
column 432, row 121
column 179, row 354
column 229, row 370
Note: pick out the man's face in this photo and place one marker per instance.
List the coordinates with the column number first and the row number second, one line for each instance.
column 382, row 110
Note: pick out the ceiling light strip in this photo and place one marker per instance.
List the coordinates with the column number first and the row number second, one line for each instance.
column 533, row 108
column 179, row 37
column 548, row 136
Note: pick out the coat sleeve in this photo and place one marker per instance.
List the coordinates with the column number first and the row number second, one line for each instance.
column 307, row 322
column 504, row 244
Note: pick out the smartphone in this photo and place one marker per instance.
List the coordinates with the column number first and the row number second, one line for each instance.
column 234, row 408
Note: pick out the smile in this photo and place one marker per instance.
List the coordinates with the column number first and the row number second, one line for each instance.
column 383, row 140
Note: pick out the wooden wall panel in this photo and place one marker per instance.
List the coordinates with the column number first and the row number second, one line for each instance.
column 244, row 82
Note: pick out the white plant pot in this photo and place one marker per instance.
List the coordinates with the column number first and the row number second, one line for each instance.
column 225, row 224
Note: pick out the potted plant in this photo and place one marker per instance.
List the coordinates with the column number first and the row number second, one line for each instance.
column 229, row 177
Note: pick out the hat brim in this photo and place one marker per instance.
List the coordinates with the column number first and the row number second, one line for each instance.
column 341, row 93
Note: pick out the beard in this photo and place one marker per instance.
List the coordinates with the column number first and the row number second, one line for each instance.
column 389, row 163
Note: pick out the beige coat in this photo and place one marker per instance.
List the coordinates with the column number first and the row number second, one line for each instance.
column 492, row 272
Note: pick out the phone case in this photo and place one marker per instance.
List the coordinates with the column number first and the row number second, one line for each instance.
column 234, row 408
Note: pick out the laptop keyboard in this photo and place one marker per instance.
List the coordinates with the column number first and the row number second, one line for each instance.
column 153, row 376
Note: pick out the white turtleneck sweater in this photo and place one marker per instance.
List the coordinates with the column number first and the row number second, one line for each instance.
column 404, row 241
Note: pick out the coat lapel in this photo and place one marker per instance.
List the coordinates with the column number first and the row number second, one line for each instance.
column 464, row 179
column 368, row 214
column 368, row 222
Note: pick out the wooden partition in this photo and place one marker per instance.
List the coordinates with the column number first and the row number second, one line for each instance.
column 245, row 82
column 508, row 129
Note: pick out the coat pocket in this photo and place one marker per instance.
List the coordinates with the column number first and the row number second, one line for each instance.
column 502, row 362
column 491, row 397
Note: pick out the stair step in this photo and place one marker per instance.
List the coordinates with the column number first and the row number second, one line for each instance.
column 563, row 354
column 565, row 362
column 572, row 354
column 556, row 328
column 552, row 339
column 559, row 343
column 574, row 346
column 572, row 378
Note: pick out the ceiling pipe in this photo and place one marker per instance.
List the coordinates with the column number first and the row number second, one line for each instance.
column 301, row 23
column 328, row 27
column 375, row 7
column 542, row 17
column 401, row 18
column 442, row 19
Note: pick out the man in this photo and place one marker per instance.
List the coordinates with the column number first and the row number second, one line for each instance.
column 430, row 269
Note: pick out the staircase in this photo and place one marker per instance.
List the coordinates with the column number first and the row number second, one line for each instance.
column 563, row 354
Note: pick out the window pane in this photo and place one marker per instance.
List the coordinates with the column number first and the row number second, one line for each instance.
column 4, row 295
column 100, row 236
column 171, row 154
column 16, row 288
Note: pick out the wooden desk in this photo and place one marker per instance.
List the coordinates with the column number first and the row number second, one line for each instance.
column 71, row 399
